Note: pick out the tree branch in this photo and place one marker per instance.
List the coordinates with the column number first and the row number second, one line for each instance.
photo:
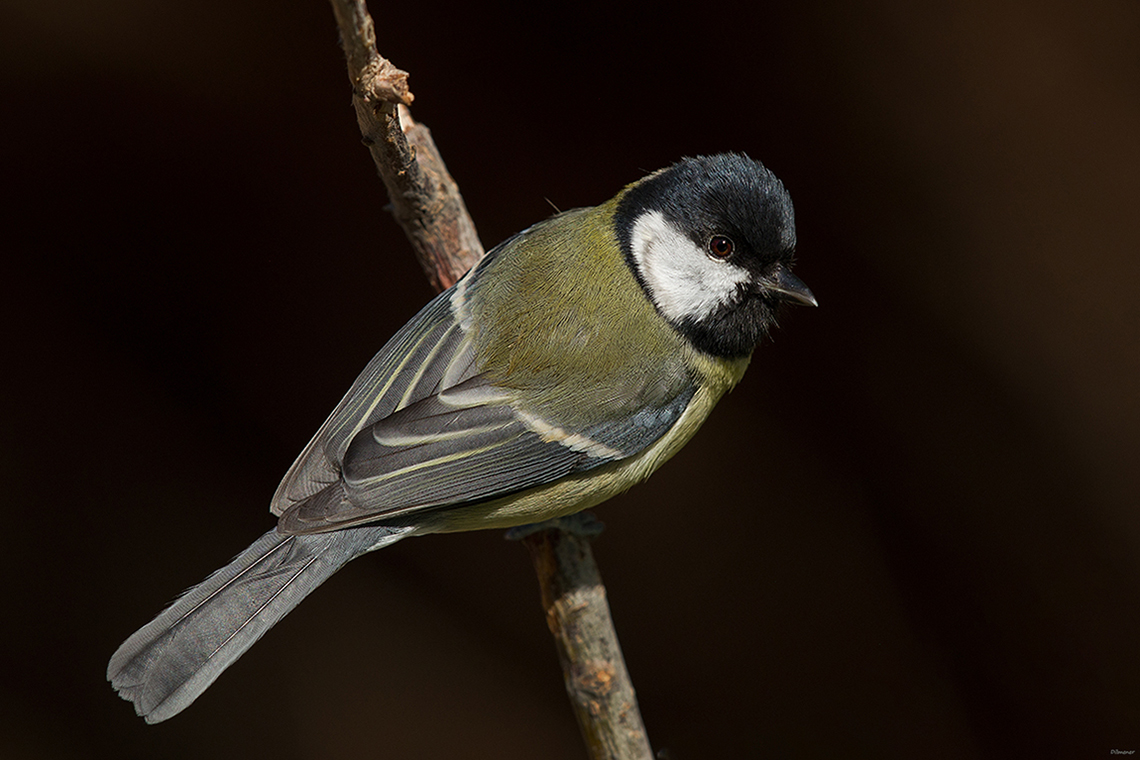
column 425, row 199
column 578, row 616
column 431, row 211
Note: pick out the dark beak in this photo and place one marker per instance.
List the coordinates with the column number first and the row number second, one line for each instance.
column 787, row 287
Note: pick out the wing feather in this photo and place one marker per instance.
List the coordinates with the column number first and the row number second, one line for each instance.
column 466, row 444
column 409, row 367
column 433, row 454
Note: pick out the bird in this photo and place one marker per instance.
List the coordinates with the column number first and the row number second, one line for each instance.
column 567, row 365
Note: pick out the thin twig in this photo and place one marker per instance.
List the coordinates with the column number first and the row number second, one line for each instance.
column 425, row 199
column 429, row 208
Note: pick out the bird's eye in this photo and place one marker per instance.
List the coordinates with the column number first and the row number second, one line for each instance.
column 720, row 247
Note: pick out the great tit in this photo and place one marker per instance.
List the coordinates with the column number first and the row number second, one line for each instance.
column 569, row 364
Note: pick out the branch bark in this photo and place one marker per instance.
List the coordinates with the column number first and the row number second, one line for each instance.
column 425, row 199
column 429, row 208
column 578, row 616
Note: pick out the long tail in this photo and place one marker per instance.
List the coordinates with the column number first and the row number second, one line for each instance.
column 165, row 665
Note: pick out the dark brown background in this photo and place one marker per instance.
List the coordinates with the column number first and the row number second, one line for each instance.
column 911, row 532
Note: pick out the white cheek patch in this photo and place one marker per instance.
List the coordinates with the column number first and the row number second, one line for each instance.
column 683, row 280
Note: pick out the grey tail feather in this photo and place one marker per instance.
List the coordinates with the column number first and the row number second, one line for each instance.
column 166, row 664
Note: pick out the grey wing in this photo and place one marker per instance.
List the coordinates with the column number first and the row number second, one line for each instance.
column 421, row 429
column 430, row 352
column 468, row 443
